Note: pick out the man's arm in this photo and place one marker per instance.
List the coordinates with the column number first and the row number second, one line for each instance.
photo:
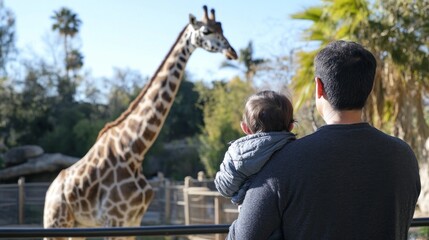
column 259, row 216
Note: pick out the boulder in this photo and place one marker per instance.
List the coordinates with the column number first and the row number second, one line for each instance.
column 21, row 154
column 48, row 162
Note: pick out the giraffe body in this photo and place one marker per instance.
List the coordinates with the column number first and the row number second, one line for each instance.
column 106, row 188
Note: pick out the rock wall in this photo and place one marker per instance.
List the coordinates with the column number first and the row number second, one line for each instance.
column 30, row 161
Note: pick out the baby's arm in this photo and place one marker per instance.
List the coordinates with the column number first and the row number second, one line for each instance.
column 228, row 180
column 238, row 197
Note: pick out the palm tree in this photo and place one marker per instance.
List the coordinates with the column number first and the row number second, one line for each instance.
column 397, row 34
column 67, row 24
column 332, row 21
column 247, row 59
column 402, row 75
column 74, row 60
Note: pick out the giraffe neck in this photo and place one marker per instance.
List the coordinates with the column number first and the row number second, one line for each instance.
column 130, row 136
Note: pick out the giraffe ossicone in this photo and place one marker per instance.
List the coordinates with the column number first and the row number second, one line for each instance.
column 106, row 188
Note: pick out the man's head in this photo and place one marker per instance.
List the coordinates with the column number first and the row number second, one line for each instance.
column 346, row 71
column 267, row 111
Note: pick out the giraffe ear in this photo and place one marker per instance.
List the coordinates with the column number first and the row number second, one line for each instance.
column 193, row 21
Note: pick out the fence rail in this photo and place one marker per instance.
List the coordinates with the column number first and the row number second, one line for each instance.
column 420, row 222
column 172, row 230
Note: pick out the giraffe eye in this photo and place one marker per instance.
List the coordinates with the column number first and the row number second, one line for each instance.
column 206, row 31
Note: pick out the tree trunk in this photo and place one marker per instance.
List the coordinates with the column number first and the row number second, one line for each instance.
column 423, row 202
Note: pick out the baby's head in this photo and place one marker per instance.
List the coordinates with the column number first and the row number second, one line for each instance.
column 267, row 111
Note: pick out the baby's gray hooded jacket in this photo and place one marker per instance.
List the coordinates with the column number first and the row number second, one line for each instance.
column 244, row 158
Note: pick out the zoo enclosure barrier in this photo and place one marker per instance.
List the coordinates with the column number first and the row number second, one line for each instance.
column 135, row 231
column 192, row 201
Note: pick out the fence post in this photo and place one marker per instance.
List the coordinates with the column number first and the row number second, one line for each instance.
column 201, row 176
column 21, row 199
column 167, row 198
column 186, row 199
column 217, row 209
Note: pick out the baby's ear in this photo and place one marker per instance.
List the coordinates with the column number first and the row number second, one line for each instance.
column 291, row 125
column 245, row 128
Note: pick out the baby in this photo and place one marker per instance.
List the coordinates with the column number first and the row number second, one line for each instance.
column 267, row 122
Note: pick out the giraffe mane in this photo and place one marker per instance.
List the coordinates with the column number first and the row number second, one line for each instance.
column 136, row 101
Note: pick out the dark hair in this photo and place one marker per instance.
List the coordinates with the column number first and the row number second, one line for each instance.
column 268, row 111
column 347, row 72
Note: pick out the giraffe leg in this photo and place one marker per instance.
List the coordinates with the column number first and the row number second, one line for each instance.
column 118, row 224
column 57, row 213
column 60, row 223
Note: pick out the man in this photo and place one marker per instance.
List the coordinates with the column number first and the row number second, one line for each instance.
column 347, row 180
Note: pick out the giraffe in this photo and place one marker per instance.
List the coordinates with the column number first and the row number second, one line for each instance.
column 106, row 188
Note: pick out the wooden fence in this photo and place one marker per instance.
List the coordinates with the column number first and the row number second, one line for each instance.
column 193, row 201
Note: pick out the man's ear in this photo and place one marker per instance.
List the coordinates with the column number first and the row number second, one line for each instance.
column 320, row 90
column 245, row 128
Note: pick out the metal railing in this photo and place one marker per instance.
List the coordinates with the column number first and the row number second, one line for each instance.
column 172, row 230
column 113, row 232
column 420, row 222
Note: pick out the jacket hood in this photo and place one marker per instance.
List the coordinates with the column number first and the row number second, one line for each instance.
column 256, row 149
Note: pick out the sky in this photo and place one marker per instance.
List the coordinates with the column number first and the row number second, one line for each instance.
column 137, row 34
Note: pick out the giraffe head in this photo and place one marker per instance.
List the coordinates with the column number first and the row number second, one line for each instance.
column 208, row 34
